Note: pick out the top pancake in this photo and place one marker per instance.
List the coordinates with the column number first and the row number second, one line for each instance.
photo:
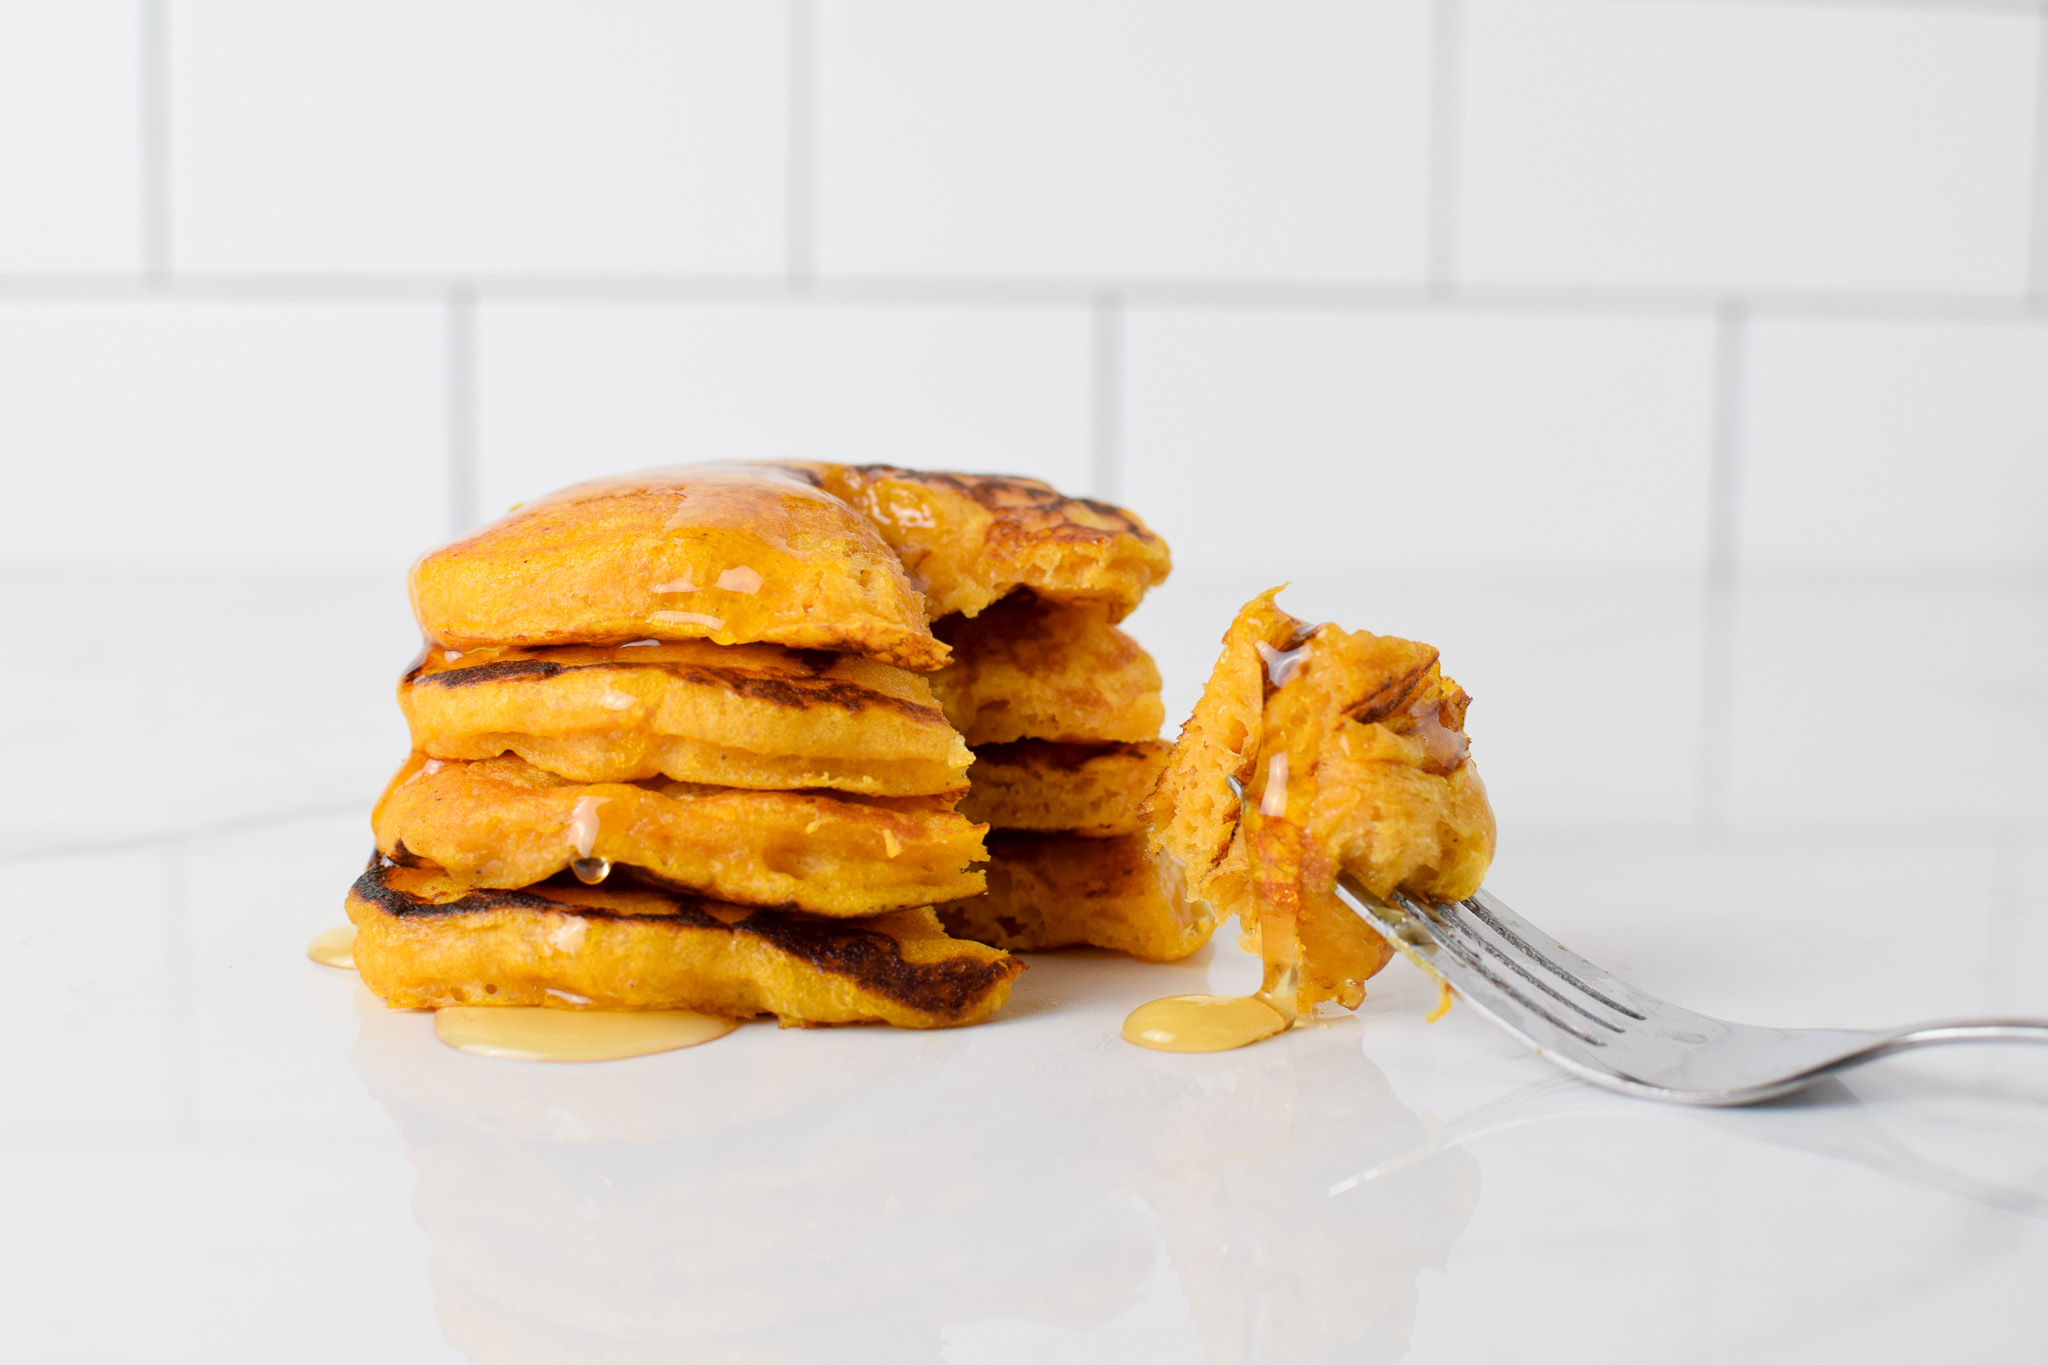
column 972, row 539
column 727, row 553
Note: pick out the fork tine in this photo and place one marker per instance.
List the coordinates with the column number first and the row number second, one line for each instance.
column 1452, row 918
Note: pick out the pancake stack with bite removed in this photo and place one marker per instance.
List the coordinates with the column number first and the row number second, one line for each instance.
column 672, row 751
column 1061, row 708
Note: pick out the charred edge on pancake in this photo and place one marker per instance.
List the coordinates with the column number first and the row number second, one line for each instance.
column 796, row 694
column 1391, row 697
column 401, row 856
column 1005, row 497
column 505, row 670
column 871, row 960
column 1051, row 753
column 799, row 695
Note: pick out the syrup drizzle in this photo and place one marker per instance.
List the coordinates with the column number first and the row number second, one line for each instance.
column 334, row 947
column 1219, row 1023
column 533, row 1034
column 591, row 871
column 1202, row 1023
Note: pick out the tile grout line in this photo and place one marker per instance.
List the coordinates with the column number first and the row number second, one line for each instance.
column 1717, row 624
column 1106, row 398
column 155, row 101
column 464, row 470
column 2037, row 170
column 1446, row 96
column 801, row 151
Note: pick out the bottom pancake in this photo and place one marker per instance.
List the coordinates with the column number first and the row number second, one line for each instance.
column 423, row 940
column 1064, row 891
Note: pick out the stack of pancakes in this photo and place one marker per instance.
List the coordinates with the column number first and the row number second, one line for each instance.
column 1061, row 708
column 672, row 749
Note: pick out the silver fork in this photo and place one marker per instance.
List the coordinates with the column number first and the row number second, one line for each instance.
column 1601, row 1029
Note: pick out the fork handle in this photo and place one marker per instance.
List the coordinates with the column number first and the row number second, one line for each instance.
column 1960, row 1031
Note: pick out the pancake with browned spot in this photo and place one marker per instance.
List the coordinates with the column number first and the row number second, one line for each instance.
column 1063, row 891
column 1095, row 790
column 972, row 539
column 729, row 553
column 1031, row 669
column 504, row 823
column 423, row 940
column 755, row 716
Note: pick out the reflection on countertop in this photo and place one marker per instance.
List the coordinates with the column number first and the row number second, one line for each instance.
column 705, row 1206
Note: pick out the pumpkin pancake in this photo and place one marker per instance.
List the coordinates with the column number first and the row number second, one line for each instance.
column 424, row 940
column 1095, row 790
column 1031, row 669
column 729, row 553
column 1062, row 891
column 755, row 716
column 972, row 539
column 505, row 823
column 1351, row 753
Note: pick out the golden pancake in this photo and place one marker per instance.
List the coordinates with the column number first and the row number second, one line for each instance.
column 1095, row 790
column 972, row 539
column 1061, row 891
column 730, row 553
column 504, row 823
column 755, row 716
column 1031, row 669
column 1351, row 751
column 424, row 940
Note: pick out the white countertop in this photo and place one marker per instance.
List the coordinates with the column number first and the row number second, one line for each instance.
column 1795, row 805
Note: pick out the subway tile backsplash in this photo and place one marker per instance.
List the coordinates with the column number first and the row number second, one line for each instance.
column 1653, row 287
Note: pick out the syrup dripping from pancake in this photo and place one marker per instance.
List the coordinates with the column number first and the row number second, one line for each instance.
column 334, row 947
column 538, row 1034
column 1218, row 1023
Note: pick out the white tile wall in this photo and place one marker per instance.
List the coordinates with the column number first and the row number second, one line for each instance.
column 461, row 136
column 569, row 390
column 1895, row 445
column 1069, row 138
column 1921, row 712
column 216, row 432
column 70, row 136
column 1315, row 440
column 1564, row 301
column 1732, row 145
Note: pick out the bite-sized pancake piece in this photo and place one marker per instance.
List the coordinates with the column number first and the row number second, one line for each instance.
column 972, row 539
column 1031, row 669
column 502, row 823
column 1351, row 752
column 1063, row 891
column 756, row 716
column 424, row 940
column 730, row 553
column 1096, row 790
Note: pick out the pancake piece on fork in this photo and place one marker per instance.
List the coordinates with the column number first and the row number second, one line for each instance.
column 1351, row 755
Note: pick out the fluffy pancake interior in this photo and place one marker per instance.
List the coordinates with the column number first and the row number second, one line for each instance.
column 1031, row 669
column 505, row 823
column 1088, row 789
column 424, row 940
column 1059, row 891
column 755, row 716
column 730, row 553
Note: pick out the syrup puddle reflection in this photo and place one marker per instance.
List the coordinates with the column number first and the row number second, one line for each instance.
column 873, row 1195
